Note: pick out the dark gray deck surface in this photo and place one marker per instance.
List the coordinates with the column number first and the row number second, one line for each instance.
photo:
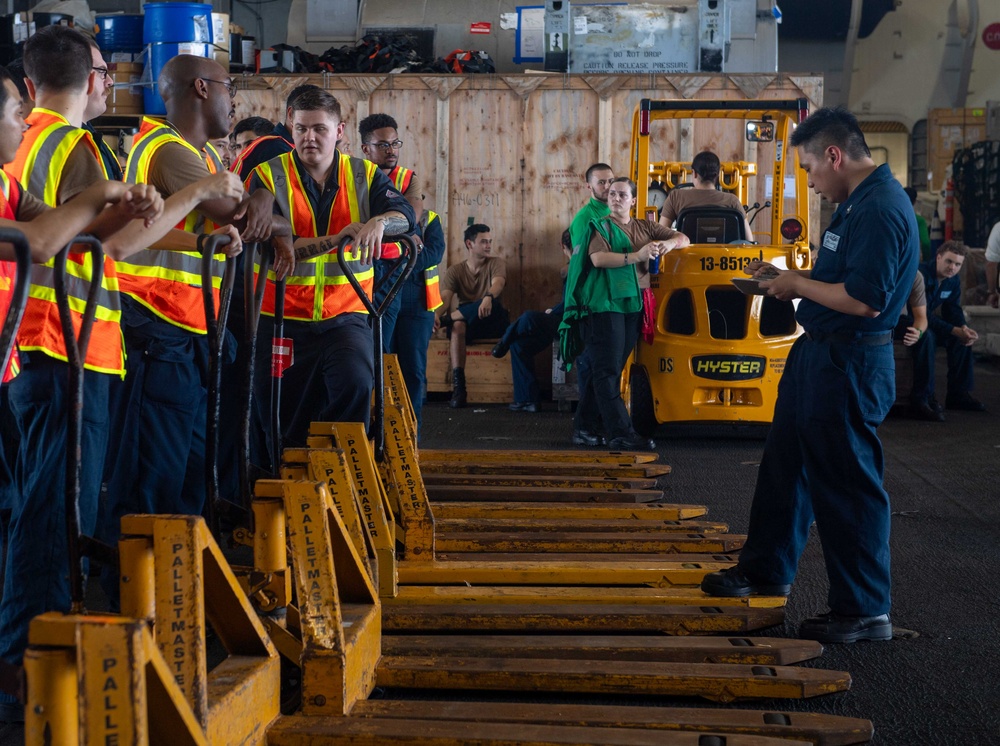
column 940, row 688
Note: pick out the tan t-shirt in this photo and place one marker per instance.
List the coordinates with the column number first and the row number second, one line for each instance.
column 918, row 294
column 174, row 167
column 680, row 199
column 414, row 188
column 30, row 207
column 640, row 233
column 468, row 286
column 82, row 169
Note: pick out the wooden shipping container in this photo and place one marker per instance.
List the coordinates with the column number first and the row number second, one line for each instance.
column 510, row 150
column 949, row 130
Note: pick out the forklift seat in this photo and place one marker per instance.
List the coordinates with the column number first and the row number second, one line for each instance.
column 720, row 225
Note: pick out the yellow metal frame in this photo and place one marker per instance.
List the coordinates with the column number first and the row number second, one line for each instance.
column 754, row 362
column 143, row 678
column 732, row 176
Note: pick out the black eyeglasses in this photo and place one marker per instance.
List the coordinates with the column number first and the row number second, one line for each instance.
column 385, row 147
column 102, row 71
column 230, row 86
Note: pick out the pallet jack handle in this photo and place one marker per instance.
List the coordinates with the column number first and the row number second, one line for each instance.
column 209, row 246
column 409, row 255
column 277, row 369
column 11, row 676
column 76, row 355
column 254, row 284
column 19, row 295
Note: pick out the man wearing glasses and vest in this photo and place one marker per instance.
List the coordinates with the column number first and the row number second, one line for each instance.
column 59, row 163
column 327, row 196
column 159, row 463
column 381, row 145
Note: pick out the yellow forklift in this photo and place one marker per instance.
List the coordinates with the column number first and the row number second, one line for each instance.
column 718, row 350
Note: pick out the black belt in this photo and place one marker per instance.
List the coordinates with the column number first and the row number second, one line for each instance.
column 851, row 338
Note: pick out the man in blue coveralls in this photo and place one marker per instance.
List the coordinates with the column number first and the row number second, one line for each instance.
column 823, row 459
column 947, row 329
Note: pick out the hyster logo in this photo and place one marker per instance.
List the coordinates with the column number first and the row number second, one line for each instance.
column 728, row 367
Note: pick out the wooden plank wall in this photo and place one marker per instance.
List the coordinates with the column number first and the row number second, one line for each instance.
column 510, row 151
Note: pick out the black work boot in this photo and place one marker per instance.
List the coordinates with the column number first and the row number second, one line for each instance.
column 458, row 394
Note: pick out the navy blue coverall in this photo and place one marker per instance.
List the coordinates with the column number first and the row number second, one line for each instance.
column 533, row 332
column 414, row 325
column 945, row 295
column 823, row 459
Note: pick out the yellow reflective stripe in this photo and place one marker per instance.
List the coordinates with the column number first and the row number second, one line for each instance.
column 214, row 157
column 167, row 273
column 5, row 184
column 77, row 305
column 145, row 146
column 78, row 282
column 59, row 156
column 96, row 368
column 331, row 272
column 52, row 176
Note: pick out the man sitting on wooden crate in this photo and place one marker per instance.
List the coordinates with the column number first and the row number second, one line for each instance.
column 947, row 329
column 532, row 332
column 477, row 283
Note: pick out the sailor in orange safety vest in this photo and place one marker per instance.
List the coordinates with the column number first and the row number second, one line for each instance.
column 381, row 145
column 58, row 162
column 158, row 465
column 327, row 196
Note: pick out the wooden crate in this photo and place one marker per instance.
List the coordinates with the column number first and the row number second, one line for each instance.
column 488, row 380
column 510, row 150
column 949, row 130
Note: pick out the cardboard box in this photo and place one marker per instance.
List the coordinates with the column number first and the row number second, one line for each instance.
column 126, row 95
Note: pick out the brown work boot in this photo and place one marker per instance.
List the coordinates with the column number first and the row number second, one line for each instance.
column 458, row 393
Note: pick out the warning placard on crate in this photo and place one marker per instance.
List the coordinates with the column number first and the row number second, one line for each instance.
column 634, row 39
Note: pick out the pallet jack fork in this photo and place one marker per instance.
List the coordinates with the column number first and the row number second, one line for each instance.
column 335, row 636
column 104, row 679
column 459, row 607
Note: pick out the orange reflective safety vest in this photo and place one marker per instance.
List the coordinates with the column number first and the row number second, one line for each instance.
column 318, row 289
column 400, row 178
column 10, row 196
column 39, row 165
column 168, row 283
column 237, row 167
column 432, row 275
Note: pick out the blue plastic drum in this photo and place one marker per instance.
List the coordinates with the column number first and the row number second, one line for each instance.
column 170, row 29
column 120, row 33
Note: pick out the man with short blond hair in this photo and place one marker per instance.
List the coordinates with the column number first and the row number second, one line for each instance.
column 328, row 196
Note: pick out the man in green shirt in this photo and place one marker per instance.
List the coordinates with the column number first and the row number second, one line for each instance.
column 922, row 231
column 599, row 177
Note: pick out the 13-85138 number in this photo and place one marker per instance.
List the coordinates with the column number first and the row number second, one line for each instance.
column 728, row 263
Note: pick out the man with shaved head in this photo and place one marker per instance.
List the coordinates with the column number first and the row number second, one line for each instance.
column 163, row 400
column 58, row 163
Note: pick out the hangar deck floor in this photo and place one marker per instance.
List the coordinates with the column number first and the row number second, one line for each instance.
column 940, row 688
